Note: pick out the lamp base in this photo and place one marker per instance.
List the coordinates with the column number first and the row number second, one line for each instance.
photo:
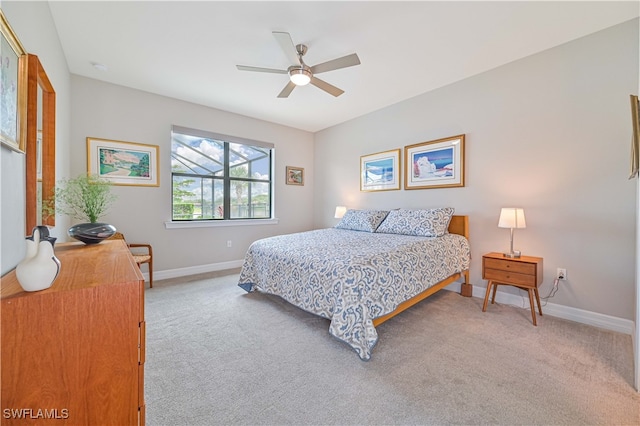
column 512, row 255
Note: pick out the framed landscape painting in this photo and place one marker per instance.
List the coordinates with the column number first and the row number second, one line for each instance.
column 435, row 164
column 123, row 163
column 380, row 172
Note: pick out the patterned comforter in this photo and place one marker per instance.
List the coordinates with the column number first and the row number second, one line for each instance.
column 351, row 277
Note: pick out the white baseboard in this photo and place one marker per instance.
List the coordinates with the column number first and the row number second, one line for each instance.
column 566, row 312
column 194, row 270
column 595, row 319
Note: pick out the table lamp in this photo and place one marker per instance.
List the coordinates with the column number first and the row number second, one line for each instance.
column 512, row 218
column 340, row 211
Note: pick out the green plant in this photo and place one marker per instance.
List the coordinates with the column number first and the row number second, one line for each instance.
column 86, row 197
column 183, row 211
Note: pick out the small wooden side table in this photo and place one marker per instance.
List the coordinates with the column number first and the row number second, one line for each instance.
column 524, row 272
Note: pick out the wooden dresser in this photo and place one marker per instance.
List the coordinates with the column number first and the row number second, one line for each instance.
column 74, row 354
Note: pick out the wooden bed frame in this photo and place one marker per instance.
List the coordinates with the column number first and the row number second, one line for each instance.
column 458, row 225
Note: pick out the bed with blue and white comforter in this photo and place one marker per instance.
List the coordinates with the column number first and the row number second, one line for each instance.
column 351, row 277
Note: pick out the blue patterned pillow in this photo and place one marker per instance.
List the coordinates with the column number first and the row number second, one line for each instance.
column 424, row 223
column 362, row 220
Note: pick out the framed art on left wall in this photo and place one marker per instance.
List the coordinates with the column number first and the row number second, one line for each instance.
column 123, row 163
column 13, row 88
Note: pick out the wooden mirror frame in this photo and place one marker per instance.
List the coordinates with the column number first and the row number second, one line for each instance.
column 38, row 83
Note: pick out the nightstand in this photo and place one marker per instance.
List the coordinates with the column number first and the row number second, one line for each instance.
column 524, row 272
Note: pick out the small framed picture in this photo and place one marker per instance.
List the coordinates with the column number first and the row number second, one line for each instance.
column 435, row 164
column 295, row 175
column 123, row 163
column 381, row 171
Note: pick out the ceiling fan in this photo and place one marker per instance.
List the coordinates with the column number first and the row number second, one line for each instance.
column 300, row 73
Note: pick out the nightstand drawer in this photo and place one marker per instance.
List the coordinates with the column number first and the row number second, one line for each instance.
column 510, row 266
column 510, row 277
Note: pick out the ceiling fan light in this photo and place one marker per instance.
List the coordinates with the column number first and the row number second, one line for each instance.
column 300, row 77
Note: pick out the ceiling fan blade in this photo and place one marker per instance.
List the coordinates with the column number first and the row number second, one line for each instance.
column 286, row 44
column 335, row 64
column 333, row 90
column 287, row 90
column 258, row 69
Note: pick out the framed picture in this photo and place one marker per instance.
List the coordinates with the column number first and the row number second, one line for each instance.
column 635, row 138
column 13, row 88
column 380, row 172
column 123, row 163
column 435, row 164
column 295, row 175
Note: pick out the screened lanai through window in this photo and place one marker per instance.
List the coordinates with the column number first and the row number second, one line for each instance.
column 217, row 177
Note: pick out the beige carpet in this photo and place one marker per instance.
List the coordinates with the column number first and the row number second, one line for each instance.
column 217, row 355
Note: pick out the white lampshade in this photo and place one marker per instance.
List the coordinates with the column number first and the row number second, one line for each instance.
column 300, row 77
column 340, row 211
column 512, row 217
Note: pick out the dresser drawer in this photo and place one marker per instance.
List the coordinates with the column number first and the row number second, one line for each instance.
column 510, row 277
column 510, row 266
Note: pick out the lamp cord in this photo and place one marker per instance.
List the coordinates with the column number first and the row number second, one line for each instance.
column 552, row 292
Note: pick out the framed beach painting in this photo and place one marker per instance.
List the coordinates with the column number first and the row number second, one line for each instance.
column 295, row 175
column 13, row 88
column 381, row 171
column 123, row 163
column 435, row 164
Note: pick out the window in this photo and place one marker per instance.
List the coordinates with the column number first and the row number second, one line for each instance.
column 217, row 177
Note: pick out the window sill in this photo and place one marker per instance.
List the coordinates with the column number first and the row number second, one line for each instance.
column 219, row 223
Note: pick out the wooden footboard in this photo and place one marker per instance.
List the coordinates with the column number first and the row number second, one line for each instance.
column 458, row 225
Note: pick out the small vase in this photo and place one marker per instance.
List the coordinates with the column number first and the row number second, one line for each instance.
column 92, row 233
column 40, row 267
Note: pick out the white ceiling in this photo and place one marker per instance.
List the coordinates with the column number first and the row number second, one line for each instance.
column 189, row 50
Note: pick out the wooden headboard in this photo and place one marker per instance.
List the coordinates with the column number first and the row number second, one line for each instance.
column 459, row 225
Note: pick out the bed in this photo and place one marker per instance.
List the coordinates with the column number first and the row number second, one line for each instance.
column 373, row 265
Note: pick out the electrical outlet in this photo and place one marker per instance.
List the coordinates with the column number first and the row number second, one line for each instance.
column 228, row 243
column 561, row 274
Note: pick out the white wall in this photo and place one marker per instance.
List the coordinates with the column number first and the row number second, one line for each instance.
column 114, row 112
column 636, row 335
column 107, row 111
column 34, row 26
column 550, row 133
